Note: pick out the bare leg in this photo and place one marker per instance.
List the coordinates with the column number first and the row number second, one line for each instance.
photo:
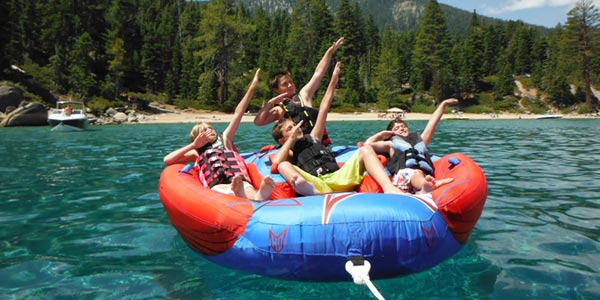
column 372, row 164
column 237, row 187
column 301, row 186
column 266, row 188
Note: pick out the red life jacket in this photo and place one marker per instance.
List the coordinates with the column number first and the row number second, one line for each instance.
column 219, row 166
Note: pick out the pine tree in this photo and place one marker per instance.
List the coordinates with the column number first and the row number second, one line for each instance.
column 472, row 70
column 370, row 61
column 11, row 37
column 190, row 64
column 80, row 78
column 309, row 36
column 277, row 52
column 583, row 26
column 348, row 23
column 431, row 52
column 222, row 35
column 158, row 31
column 388, row 79
column 4, row 17
column 494, row 41
column 115, row 49
column 505, row 85
column 556, row 67
column 458, row 67
column 260, row 42
column 538, row 56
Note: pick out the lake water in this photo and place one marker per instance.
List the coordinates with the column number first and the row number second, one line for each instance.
column 80, row 217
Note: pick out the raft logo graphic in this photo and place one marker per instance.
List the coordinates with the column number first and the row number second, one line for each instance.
column 329, row 202
column 429, row 234
column 277, row 240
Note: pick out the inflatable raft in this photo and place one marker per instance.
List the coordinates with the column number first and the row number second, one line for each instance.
column 313, row 238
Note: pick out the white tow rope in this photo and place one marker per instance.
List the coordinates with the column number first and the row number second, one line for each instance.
column 359, row 268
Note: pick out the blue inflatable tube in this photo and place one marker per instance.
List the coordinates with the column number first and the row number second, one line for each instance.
column 312, row 238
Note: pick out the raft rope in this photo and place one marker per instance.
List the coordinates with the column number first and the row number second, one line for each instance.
column 359, row 268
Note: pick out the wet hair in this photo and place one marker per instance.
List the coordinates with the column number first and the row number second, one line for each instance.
column 274, row 81
column 394, row 122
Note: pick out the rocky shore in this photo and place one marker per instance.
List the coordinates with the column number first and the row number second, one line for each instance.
column 15, row 112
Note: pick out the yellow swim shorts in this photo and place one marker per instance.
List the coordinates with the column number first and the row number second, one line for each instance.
column 347, row 178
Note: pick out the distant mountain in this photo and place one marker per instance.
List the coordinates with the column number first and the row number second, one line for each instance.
column 399, row 14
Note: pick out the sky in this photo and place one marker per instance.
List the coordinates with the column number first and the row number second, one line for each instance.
column 547, row 13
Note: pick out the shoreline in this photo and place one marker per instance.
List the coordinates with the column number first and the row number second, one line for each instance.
column 190, row 116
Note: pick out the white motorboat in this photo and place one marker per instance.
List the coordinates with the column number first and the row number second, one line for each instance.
column 549, row 116
column 68, row 116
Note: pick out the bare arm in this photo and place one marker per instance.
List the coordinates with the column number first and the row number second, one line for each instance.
column 319, row 128
column 380, row 136
column 181, row 156
column 427, row 134
column 307, row 93
column 188, row 153
column 270, row 112
column 382, row 147
column 231, row 129
column 284, row 152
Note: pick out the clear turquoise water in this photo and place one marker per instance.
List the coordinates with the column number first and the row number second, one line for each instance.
column 80, row 217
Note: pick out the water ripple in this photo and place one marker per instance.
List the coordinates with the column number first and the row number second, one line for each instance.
column 82, row 217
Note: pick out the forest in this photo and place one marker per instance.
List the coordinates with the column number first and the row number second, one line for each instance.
column 204, row 54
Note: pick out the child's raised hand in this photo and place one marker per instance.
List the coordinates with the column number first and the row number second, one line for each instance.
column 387, row 134
column 256, row 77
column 204, row 138
column 297, row 130
column 451, row 101
column 273, row 102
column 337, row 69
column 337, row 43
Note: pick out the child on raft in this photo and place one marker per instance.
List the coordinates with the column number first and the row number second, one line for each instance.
column 409, row 161
column 211, row 151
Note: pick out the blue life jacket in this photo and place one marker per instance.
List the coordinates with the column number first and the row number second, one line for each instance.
column 410, row 152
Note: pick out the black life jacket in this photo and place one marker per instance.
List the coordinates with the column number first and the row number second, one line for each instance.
column 216, row 165
column 300, row 112
column 313, row 157
column 410, row 152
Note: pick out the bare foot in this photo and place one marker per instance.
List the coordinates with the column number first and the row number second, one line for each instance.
column 302, row 187
column 266, row 188
column 237, row 186
column 441, row 182
column 428, row 185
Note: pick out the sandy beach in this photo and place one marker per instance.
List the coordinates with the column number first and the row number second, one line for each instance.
column 195, row 116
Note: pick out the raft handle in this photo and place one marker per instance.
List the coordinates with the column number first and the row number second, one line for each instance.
column 453, row 162
column 359, row 268
column 186, row 169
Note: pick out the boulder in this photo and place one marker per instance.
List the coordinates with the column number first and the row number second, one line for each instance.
column 9, row 97
column 30, row 114
column 120, row 117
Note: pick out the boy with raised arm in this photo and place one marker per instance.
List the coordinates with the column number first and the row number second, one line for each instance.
column 298, row 107
column 311, row 168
